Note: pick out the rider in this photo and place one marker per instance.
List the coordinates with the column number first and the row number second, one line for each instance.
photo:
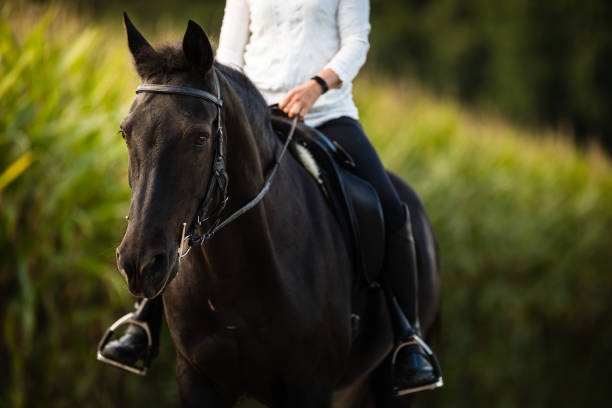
column 323, row 44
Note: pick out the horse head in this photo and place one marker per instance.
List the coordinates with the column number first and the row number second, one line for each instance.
column 170, row 141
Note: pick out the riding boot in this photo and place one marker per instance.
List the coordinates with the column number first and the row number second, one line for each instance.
column 413, row 360
column 134, row 344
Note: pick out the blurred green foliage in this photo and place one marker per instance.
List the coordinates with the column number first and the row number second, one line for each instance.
column 523, row 222
column 545, row 61
column 63, row 195
column 524, row 230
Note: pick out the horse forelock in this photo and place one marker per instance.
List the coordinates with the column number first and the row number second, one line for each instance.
column 168, row 60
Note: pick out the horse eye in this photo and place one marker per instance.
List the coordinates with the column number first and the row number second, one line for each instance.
column 200, row 140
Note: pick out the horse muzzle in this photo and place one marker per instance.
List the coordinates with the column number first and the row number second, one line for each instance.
column 147, row 274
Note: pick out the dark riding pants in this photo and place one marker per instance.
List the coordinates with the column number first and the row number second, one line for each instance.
column 350, row 135
column 400, row 272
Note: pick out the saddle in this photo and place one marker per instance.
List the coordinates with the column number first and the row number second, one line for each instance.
column 353, row 200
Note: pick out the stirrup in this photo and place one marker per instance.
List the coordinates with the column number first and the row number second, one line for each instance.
column 135, row 368
column 414, row 339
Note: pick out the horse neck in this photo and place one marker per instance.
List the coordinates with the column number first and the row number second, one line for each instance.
column 250, row 145
column 250, row 256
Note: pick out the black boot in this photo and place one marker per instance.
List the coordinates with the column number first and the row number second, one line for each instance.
column 413, row 360
column 136, row 344
column 414, row 365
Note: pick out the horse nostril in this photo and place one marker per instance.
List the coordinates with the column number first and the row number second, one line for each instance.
column 155, row 265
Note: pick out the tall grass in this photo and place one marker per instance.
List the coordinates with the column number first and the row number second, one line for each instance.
column 63, row 194
column 523, row 227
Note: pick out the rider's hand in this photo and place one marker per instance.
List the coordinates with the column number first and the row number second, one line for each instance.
column 301, row 99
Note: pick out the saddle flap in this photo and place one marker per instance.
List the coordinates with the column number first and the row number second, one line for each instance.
column 368, row 224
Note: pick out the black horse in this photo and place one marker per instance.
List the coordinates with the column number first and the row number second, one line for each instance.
column 263, row 309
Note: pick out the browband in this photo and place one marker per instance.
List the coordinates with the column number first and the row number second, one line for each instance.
column 180, row 90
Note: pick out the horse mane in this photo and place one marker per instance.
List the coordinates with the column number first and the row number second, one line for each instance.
column 253, row 102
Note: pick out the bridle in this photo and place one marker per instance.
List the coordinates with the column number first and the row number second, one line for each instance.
column 216, row 197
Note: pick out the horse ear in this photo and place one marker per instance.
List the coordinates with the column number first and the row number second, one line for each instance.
column 139, row 47
column 197, row 49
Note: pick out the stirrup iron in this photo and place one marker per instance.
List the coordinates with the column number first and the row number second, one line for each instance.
column 409, row 336
column 129, row 318
column 432, row 359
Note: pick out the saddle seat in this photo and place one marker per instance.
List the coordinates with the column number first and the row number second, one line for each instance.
column 354, row 201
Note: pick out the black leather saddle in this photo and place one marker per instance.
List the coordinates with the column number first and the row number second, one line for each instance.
column 354, row 200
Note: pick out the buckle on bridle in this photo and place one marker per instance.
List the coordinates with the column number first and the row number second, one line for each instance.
column 184, row 237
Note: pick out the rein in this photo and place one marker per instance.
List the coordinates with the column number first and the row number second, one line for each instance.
column 216, row 193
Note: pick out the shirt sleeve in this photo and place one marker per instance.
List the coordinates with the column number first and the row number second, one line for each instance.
column 234, row 33
column 354, row 28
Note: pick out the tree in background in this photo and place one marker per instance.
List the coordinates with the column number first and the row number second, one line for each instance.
column 544, row 62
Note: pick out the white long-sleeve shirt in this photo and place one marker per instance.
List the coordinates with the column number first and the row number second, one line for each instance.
column 280, row 44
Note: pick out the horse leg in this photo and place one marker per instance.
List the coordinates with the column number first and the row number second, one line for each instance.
column 304, row 398
column 358, row 395
column 196, row 390
column 373, row 391
column 369, row 350
column 381, row 389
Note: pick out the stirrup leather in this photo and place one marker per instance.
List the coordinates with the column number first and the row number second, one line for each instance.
column 415, row 339
column 129, row 318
